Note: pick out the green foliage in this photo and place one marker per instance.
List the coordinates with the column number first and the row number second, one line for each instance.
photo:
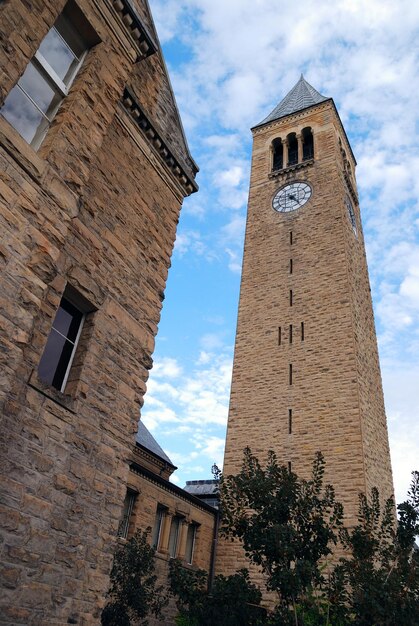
column 287, row 525
column 382, row 573
column 133, row 593
column 233, row 601
column 289, row 528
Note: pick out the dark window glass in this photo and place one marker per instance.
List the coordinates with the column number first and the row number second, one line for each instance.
column 61, row 344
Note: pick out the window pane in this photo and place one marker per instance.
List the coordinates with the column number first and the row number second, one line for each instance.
column 38, row 89
column 58, row 351
column 190, row 541
column 22, row 114
column 174, row 531
column 54, row 349
column 67, row 320
column 157, row 526
column 58, row 55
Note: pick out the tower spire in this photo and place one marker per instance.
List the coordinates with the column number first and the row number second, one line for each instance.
column 301, row 96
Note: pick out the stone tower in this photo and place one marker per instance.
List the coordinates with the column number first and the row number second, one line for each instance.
column 306, row 374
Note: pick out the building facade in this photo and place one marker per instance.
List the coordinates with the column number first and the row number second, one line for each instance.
column 182, row 523
column 94, row 169
column 306, row 373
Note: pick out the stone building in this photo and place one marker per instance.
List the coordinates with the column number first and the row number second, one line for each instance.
column 182, row 523
column 94, row 169
column 306, row 374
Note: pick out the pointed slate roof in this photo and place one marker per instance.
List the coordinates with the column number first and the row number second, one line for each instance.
column 301, row 96
column 146, row 440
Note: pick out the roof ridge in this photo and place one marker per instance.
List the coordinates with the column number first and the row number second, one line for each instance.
column 301, row 96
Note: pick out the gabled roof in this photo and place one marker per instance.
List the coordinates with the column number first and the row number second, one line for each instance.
column 301, row 96
column 145, row 439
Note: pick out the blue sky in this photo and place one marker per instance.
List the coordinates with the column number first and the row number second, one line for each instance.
column 231, row 62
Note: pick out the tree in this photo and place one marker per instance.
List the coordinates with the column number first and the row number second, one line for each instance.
column 381, row 575
column 233, row 600
column 133, row 593
column 287, row 527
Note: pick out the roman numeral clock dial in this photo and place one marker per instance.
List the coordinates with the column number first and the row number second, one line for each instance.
column 291, row 197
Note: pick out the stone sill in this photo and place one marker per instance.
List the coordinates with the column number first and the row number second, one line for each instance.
column 62, row 399
column 21, row 151
column 291, row 168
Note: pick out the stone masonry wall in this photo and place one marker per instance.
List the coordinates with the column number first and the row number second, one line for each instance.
column 95, row 208
column 335, row 395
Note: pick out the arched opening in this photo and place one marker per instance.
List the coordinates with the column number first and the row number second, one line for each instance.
column 308, row 143
column 292, row 149
column 277, row 154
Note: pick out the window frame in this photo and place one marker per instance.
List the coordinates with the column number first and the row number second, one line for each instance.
column 82, row 305
column 175, row 523
column 161, row 511
column 193, row 527
column 123, row 528
column 72, row 18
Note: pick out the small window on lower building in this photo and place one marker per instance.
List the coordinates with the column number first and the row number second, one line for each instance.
column 174, row 536
column 158, row 525
column 190, row 542
column 54, row 366
column 126, row 513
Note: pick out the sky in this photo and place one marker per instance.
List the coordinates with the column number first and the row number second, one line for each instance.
column 230, row 63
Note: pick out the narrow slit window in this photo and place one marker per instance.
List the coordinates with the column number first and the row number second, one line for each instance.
column 290, row 266
column 289, row 421
column 290, row 333
column 291, row 297
column 290, row 373
column 302, row 331
column 61, row 345
column 289, row 467
column 279, row 335
column 290, row 237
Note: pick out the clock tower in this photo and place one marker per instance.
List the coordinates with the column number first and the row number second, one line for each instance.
column 306, row 374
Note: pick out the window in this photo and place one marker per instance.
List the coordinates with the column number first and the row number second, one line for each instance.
column 174, row 536
column 126, row 513
column 33, row 102
column 158, row 525
column 292, row 149
column 308, row 143
column 190, row 543
column 277, row 155
column 54, row 366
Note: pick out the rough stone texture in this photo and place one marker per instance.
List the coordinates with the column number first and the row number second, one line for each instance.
column 336, row 394
column 152, row 491
column 95, row 208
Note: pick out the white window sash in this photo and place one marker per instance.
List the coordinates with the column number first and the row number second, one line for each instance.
column 70, row 362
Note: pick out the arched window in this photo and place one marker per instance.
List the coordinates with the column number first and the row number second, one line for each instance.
column 277, row 155
column 292, row 149
column 308, row 144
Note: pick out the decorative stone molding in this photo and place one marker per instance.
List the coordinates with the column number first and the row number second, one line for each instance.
column 291, row 168
column 135, row 27
column 154, row 138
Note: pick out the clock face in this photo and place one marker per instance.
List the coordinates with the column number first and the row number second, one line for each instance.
column 290, row 197
column 351, row 214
